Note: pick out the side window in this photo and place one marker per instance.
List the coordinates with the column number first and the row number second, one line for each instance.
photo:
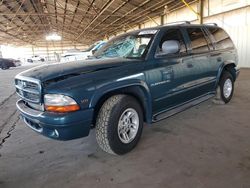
column 198, row 40
column 221, row 38
column 170, row 35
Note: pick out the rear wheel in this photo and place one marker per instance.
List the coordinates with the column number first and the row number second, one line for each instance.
column 119, row 124
column 226, row 87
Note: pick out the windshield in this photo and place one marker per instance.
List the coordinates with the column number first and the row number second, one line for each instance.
column 127, row 46
column 90, row 48
column 94, row 46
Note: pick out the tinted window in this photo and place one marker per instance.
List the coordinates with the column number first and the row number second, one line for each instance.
column 221, row 38
column 173, row 34
column 198, row 41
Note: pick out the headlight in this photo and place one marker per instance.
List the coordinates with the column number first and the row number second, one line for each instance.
column 60, row 103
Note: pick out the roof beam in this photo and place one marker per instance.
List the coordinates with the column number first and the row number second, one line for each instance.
column 65, row 10
column 15, row 14
column 37, row 6
column 142, row 4
column 55, row 10
column 87, row 12
column 11, row 9
column 23, row 23
column 76, row 8
column 17, row 37
column 141, row 14
column 105, row 7
column 69, row 13
column 118, row 8
column 138, row 20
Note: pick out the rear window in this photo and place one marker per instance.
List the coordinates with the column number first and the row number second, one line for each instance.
column 221, row 38
column 198, row 40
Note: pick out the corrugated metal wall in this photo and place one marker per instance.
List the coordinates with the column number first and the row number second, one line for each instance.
column 237, row 24
column 232, row 15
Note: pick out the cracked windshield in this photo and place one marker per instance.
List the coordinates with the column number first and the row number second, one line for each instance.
column 128, row 46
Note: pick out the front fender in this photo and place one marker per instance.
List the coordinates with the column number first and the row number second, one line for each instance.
column 119, row 85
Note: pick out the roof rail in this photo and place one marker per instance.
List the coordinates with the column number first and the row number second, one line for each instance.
column 177, row 23
column 215, row 24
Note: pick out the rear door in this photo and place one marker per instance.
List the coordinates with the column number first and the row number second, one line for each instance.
column 202, row 71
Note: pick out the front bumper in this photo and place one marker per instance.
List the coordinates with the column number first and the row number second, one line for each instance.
column 60, row 126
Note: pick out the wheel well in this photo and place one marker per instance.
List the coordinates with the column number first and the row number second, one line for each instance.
column 134, row 91
column 231, row 69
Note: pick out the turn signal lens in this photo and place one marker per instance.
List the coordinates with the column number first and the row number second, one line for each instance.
column 60, row 103
column 62, row 109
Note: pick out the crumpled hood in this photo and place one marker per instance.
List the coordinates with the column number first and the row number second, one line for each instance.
column 57, row 70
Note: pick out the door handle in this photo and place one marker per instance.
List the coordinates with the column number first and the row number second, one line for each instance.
column 189, row 65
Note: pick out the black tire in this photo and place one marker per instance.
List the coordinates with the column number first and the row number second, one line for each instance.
column 4, row 66
column 226, row 76
column 107, row 124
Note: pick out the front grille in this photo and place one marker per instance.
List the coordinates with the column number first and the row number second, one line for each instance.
column 28, row 89
column 27, row 84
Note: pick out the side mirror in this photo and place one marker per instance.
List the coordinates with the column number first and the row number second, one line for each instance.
column 170, row 47
column 93, row 51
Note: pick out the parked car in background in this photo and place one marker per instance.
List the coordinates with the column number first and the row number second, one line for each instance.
column 7, row 63
column 141, row 76
column 76, row 55
column 17, row 62
column 35, row 58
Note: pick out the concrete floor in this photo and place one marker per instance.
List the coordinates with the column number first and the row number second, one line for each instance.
column 205, row 146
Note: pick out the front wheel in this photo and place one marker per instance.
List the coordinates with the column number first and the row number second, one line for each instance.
column 119, row 124
column 226, row 85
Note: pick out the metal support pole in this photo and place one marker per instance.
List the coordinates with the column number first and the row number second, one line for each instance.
column 33, row 53
column 201, row 5
column 162, row 19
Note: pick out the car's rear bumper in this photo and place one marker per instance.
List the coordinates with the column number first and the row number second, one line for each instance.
column 60, row 126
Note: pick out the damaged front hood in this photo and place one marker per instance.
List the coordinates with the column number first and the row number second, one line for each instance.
column 60, row 70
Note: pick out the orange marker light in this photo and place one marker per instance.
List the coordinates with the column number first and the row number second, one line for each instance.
column 62, row 109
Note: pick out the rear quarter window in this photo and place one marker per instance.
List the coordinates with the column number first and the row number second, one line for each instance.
column 221, row 38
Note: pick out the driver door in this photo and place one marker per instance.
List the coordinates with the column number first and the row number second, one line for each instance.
column 171, row 74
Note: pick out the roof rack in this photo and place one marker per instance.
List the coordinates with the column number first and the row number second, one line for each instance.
column 215, row 24
column 177, row 23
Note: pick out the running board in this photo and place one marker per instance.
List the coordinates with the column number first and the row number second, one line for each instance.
column 181, row 108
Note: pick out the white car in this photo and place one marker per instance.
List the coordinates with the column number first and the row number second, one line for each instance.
column 35, row 58
column 76, row 55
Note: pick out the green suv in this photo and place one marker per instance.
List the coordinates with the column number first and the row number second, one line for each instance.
column 141, row 76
